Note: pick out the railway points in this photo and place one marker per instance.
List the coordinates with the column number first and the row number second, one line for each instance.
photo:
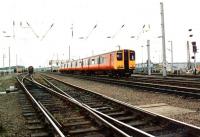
column 137, row 96
column 75, row 94
column 101, row 109
column 161, row 85
column 99, row 69
column 55, row 107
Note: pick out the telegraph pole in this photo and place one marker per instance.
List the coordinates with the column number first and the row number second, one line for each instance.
column 163, row 40
column 16, row 65
column 9, row 57
column 142, row 59
column 171, row 55
column 69, row 52
column 188, row 56
column 148, row 53
column 118, row 47
column 3, row 60
column 172, row 61
column 72, row 31
column 195, row 65
column 16, row 60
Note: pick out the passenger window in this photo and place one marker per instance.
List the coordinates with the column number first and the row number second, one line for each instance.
column 81, row 63
column 101, row 60
column 97, row 60
column 93, row 61
column 132, row 56
column 119, row 56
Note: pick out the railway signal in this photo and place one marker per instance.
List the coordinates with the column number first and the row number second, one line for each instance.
column 194, row 48
column 171, row 55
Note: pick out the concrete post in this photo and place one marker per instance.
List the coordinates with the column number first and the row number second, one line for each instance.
column 163, row 41
column 149, row 60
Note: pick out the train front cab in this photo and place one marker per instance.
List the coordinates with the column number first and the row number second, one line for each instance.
column 125, row 62
column 131, row 60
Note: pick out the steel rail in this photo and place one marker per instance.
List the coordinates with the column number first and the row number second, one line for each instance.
column 41, row 109
column 170, row 75
column 188, row 126
column 98, row 112
column 86, row 108
column 169, row 81
column 171, row 89
column 50, row 115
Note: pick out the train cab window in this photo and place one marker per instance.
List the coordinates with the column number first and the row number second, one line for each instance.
column 132, row 55
column 119, row 56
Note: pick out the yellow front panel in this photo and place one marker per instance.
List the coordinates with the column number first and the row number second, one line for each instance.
column 131, row 62
column 119, row 64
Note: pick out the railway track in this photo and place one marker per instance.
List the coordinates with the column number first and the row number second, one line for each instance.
column 179, row 81
column 37, row 120
column 172, row 75
column 34, row 125
column 65, row 116
column 190, row 92
column 121, row 113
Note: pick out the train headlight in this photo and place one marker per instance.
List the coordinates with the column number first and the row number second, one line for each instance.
column 120, row 67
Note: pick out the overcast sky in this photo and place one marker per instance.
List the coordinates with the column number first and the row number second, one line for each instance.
column 108, row 15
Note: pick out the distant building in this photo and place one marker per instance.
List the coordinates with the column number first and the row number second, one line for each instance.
column 12, row 69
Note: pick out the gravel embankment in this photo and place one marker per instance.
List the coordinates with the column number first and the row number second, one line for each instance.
column 11, row 119
column 141, row 97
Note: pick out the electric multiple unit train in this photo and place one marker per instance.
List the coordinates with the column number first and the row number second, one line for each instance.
column 115, row 63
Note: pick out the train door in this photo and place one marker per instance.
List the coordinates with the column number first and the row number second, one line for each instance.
column 126, row 60
column 110, row 60
column 98, row 62
column 132, row 60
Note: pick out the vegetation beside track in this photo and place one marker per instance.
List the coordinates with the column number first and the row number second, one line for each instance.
column 6, row 82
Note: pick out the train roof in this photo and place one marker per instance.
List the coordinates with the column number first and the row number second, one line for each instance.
column 100, row 54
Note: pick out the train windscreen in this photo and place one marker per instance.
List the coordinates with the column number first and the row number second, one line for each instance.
column 119, row 56
column 132, row 55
